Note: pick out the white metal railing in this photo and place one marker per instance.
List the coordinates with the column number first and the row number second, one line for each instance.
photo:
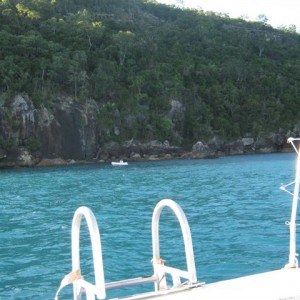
column 159, row 268
column 293, row 261
column 98, row 289
column 74, row 277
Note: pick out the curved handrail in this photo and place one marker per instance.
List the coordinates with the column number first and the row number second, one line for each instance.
column 159, row 268
column 99, row 288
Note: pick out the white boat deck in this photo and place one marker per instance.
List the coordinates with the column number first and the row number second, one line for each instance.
column 283, row 284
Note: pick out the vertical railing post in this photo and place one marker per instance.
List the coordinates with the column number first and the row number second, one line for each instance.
column 293, row 262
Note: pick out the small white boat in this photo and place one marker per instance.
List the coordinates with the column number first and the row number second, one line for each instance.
column 119, row 163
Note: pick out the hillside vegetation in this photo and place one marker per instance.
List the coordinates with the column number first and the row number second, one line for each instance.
column 157, row 72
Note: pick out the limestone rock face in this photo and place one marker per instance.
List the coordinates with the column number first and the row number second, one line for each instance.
column 67, row 129
column 76, row 127
column 25, row 159
column 48, row 130
column 247, row 142
column 23, row 119
column 200, row 147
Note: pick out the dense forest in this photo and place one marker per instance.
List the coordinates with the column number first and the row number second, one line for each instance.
column 157, row 72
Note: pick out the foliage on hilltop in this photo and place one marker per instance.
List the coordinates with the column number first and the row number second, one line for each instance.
column 159, row 72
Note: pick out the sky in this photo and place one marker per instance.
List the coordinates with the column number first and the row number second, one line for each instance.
column 278, row 12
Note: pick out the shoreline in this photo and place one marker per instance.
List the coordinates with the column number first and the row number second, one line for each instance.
column 56, row 162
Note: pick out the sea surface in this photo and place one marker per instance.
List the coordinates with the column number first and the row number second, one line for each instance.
column 234, row 207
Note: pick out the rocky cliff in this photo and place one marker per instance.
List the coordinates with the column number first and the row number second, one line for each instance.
column 68, row 131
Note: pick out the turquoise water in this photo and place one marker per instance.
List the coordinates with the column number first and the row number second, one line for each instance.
column 234, row 206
